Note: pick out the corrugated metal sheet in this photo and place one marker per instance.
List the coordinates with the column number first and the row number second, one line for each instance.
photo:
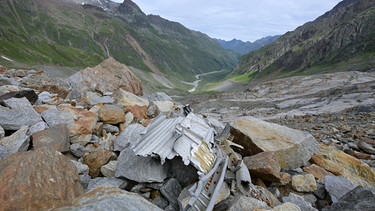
column 158, row 138
column 188, row 137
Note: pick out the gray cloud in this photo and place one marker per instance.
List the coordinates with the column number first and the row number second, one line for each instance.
column 247, row 20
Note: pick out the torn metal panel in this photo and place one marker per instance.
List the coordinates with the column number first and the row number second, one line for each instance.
column 158, row 138
column 190, row 137
column 195, row 144
column 196, row 124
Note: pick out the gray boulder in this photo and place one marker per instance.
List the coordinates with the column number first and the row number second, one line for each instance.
column 241, row 202
column 104, row 181
column 2, row 132
column 18, row 141
column 83, row 172
column 38, row 127
column 19, row 113
column 3, row 152
column 93, row 98
column 140, row 169
column 81, row 168
column 108, row 170
column 358, row 199
column 110, row 128
column 78, row 150
column 24, row 106
column 111, row 198
column 299, row 201
column 128, row 136
column 11, row 119
column 159, row 96
column 338, row 187
column 56, row 116
column 171, row 190
column 57, row 137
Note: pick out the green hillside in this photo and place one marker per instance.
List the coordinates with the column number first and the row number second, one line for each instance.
column 61, row 33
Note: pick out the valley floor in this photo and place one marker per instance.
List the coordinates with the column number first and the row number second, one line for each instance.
column 338, row 109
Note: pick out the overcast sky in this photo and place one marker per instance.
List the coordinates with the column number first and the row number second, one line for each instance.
column 247, row 20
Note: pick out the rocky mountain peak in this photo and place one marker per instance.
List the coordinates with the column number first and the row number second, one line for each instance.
column 106, row 5
column 131, row 12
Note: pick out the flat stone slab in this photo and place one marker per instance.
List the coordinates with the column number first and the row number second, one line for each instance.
column 292, row 147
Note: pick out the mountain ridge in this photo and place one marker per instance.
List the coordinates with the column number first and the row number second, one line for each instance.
column 339, row 40
column 243, row 48
column 67, row 33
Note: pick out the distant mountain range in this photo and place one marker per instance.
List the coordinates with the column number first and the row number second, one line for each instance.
column 81, row 33
column 246, row 47
column 342, row 39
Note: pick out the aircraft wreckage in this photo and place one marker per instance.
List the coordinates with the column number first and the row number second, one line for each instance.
column 193, row 139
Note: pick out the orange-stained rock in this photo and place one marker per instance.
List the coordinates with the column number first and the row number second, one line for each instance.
column 95, row 160
column 359, row 155
column 264, row 165
column 340, row 163
column 81, row 129
column 108, row 76
column 139, row 112
column 111, row 114
column 317, row 171
column 41, row 108
column 38, row 180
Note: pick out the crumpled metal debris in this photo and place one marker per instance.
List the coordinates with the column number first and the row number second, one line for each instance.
column 193, row 139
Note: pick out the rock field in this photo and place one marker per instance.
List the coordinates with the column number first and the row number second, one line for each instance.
column 75, row 144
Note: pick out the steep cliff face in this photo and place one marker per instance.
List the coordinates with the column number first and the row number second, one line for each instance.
column 341, row 36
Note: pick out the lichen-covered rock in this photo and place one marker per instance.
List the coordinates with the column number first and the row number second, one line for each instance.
column 340, row 163
column 304, row 183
